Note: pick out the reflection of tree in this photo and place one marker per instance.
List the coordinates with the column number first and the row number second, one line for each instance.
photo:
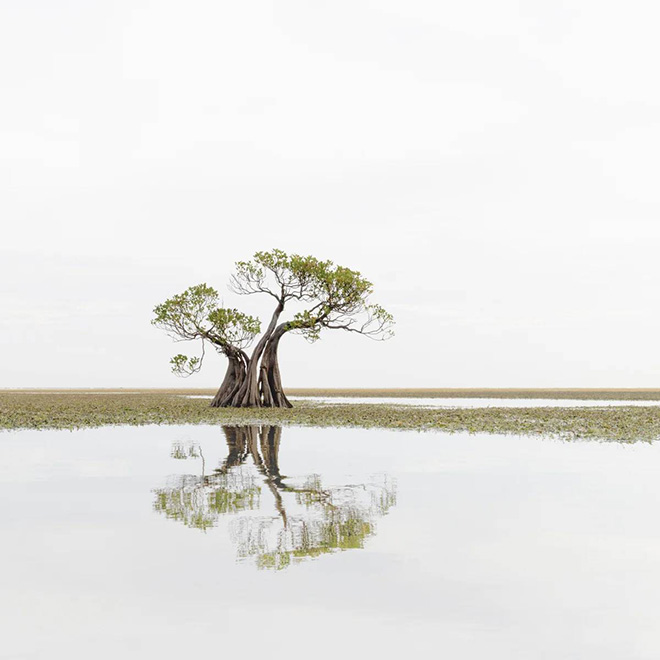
column 311, row 520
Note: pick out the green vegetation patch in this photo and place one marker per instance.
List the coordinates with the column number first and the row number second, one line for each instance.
column 77, row 409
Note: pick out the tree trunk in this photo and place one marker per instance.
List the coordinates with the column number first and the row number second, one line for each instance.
column 234, row 378
column 270, row 379
column 248, row 395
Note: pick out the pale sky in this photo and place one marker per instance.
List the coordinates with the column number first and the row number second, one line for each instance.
column 493, row 168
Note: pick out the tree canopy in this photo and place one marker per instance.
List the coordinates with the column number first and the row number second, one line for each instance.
column 332, row 297
column 197, row 314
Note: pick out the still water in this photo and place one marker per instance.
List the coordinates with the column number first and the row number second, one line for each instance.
column 463, row 402
column 161, row 542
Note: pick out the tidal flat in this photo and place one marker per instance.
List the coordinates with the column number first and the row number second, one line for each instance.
column 73, row 409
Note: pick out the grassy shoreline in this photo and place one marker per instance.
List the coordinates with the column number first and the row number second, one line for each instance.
column 80, row 409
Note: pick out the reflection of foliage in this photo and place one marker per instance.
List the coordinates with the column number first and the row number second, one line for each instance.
column 331, row 519
column 198, row 501
column 312, row 519
column 182, row 452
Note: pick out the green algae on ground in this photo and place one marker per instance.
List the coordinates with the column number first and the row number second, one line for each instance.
column 76, row 409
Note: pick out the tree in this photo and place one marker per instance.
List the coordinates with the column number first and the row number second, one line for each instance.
column 331, row 296
column 196, row 314
column 309, row 518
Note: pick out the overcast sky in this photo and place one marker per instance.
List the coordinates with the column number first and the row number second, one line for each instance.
column 493, row 168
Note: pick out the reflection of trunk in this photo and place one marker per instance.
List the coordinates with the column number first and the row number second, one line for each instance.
column 236, row 370
column 244, row 440
column 237, row 445
column 247, row 395
column 270, row 449
column 262, row 443
column 270, row 379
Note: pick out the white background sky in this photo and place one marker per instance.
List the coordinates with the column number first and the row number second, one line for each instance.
column 493, row 168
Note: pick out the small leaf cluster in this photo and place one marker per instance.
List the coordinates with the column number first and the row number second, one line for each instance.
column 182, row 365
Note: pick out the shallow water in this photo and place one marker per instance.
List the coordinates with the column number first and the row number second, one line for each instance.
column 433, row 402
column 160, row 542
column 436, row 402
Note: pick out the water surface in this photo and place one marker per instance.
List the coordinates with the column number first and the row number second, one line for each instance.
column 162, row 542
column 437, row 402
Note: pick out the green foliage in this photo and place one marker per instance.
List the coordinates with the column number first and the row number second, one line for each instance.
column 185, row 315
column 282, row 276
column 196, row 314
column 307, row 324
column 339, row 296
column 182, row 365
column 230, row 325
column 343, row 303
